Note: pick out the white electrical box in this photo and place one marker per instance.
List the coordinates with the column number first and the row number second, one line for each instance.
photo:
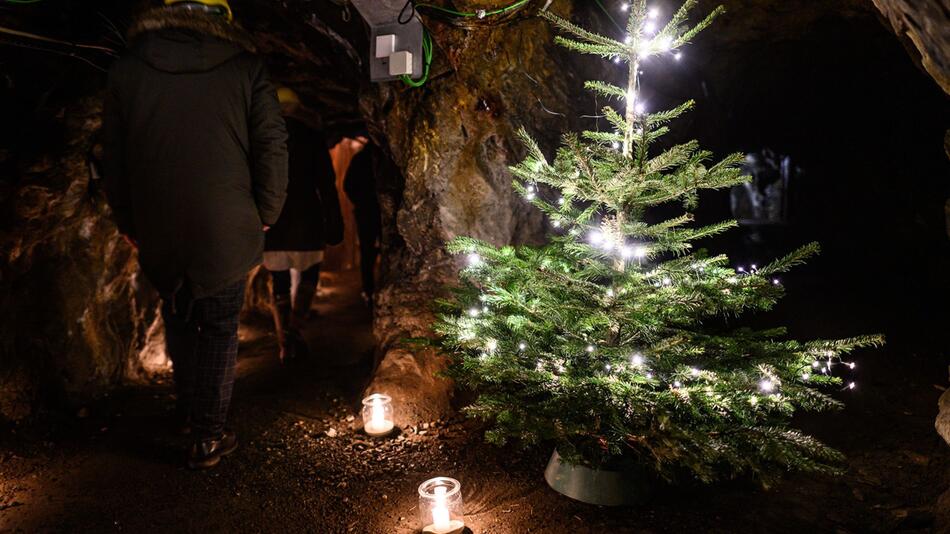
column 400, row 63
column 395, row 39
column 385, row 45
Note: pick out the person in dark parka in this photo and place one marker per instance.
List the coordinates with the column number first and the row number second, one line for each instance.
column 195, row 171
column 310, row 221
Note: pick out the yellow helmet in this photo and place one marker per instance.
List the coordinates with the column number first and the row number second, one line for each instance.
column 286, row 95
column 223, row 4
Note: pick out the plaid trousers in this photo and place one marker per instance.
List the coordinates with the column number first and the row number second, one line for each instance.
column 201, row 337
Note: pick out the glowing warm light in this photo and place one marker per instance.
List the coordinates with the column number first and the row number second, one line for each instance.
column 440, row 514
column 522, row 345
column 474, row 259
column 491, row 345
column 440, row 504
column 767, row 385
column 640, row 252
column 637, row 359
column 654, row 12
column 694, row 371
column 596, row 237
column 378, row 415
column 590, row 348
column 678, row 56
column 625, row 6
column 639, row 107
column 665, row 43
column 649, row 27
column 473, row 312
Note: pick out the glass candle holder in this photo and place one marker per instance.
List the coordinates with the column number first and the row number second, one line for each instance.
column 440, row 506
column 378, row 415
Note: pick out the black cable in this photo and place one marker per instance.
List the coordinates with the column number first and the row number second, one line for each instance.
column 412, row 11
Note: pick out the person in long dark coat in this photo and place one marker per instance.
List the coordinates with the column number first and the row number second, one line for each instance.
column 195, row 169
column 311, row 219
column 360, row 187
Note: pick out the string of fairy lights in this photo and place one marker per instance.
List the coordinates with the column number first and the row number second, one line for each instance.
column 627, row 253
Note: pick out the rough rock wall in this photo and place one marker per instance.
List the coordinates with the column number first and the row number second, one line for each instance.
column 943, row 417
column 74, row 313
column 925, row 24
column 453, row 140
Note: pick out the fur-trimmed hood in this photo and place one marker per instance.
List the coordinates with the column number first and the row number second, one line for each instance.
column 181, row 41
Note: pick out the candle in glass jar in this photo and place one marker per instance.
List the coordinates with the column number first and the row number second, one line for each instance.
column 378, row 415
column 441, row 506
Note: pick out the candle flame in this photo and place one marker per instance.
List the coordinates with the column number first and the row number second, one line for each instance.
column 377, row 417
column 440, row 514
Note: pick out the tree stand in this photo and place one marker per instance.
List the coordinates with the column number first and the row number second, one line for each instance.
column 596, row 486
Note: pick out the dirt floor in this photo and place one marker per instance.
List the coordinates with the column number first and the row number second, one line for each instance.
column 303, row 468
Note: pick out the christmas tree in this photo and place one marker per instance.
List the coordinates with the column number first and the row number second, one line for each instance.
column 613, row 340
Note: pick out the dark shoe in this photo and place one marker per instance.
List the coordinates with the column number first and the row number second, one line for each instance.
column 298, row 347
column 207, row 453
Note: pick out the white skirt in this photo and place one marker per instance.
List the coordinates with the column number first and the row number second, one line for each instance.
column 300, row 260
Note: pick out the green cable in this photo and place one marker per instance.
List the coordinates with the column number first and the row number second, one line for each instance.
column 498, row 11
column 427, row 39
column 427, row 60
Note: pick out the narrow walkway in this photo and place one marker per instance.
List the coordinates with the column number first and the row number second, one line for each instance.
column 303, row 468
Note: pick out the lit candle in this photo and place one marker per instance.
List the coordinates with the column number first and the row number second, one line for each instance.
column 440, row 514
column 378, row 415
column 441, row 506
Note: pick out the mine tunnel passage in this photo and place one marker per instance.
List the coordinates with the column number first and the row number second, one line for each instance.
column 835, row 92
